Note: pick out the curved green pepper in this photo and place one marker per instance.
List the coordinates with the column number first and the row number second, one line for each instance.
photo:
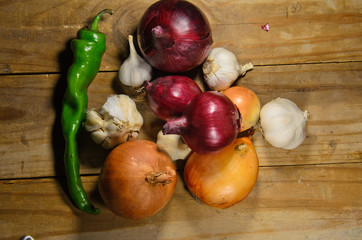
column 88, row 50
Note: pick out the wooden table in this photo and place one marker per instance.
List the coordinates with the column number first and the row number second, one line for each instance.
column 311, row 55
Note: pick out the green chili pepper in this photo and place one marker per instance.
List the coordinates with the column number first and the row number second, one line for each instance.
column 88, row 50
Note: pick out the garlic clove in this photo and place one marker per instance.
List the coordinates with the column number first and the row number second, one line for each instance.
column 120, row 120
column 135, row 70
column 173, row 145
column 122, row 108
column 115, row 138
column 93, row 121
column 99, row 136
column 114, row 125
column 283, row 124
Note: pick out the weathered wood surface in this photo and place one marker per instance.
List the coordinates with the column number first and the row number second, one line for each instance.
column 35, row 35
column 305, row 202
column 32, row 144
column 312, row 55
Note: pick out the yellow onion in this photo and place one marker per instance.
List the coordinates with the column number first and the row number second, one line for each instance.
column 247, row 103
column 223, row 179
column 137, row 179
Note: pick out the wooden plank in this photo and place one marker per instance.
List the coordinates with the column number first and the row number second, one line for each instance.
column 31, row 142
column 36, row 39
column 324, row 91
column 305, row 202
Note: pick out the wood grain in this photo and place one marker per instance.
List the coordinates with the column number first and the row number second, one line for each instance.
column 313, row 202
column 37, row 37
column 312, row 55
column 31, row 143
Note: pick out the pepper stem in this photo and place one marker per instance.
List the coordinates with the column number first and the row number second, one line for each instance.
column 97, row 19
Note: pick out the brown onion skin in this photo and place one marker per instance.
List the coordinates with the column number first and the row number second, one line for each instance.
column 123, row 185
column 223, row 179
column 248, row 104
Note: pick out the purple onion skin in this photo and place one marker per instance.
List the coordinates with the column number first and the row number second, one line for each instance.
column 174, row 36
column 210, row 122
column 169, row 96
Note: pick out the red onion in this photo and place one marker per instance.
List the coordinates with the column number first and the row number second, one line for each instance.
column 174, row 36
column 266, row 27
column 210, row 122
column 169, row 96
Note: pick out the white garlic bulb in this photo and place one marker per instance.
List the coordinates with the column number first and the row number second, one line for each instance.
column 283, row 124
column 117, row 122
column 173, row 145
column 135, row 70
column 221, row 69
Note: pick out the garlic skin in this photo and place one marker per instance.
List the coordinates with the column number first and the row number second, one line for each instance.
column 283, row 124
column 221, row 69
column 134, row 70
column 118, row 121
column 173, row 145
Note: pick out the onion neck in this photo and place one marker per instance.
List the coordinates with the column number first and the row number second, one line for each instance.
column 163, row 178
column 175, row 126
column 163, row 38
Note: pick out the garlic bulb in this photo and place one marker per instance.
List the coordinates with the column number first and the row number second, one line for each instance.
column 173, row 145
column 221, row 69
column 283, row 123
column 134, row 70
column 117, row 122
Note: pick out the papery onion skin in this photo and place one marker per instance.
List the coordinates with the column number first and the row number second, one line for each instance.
column 125, row 184
column 248, row 104
column 209, row 123
column 223, row 179
column 169, row 96
column 174, row 36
